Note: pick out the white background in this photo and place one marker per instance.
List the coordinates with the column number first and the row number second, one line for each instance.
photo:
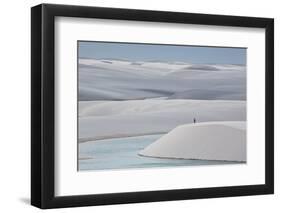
column 15, row 106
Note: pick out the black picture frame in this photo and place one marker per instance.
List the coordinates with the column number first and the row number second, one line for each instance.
column 43, row 105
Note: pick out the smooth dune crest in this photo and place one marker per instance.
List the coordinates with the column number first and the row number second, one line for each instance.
column 224, row 141
column 109, row 119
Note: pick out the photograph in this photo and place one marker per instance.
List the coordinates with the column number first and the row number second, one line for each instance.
column 160, row 105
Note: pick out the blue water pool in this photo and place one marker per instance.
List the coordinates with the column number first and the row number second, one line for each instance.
column 122, row 153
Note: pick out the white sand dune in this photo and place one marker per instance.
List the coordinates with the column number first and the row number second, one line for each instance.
column 205, row 141
column 112, row 79
column 109, row 119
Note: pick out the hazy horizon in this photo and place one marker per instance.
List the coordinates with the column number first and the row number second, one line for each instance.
column 162, row 52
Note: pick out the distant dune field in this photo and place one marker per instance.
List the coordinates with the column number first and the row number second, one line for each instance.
column 125, row 80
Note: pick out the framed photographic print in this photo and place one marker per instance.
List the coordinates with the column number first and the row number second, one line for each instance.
column 139, row 106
